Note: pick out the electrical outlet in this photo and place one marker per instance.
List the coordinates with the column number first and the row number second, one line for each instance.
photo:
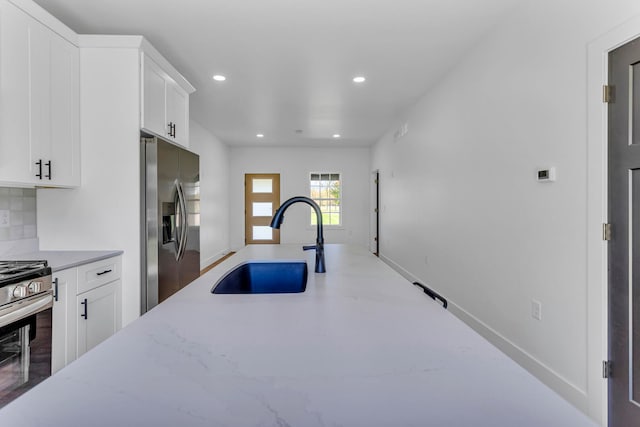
column 4, row 219
column 536, row 310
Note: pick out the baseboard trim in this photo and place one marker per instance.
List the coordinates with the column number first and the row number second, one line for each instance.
column 215, row 260
column 548, row 376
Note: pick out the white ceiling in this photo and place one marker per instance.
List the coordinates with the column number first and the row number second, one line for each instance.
column 289, row 63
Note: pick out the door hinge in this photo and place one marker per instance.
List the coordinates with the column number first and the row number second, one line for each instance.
column 606, row 369
column 607, row 94
column 606, row 232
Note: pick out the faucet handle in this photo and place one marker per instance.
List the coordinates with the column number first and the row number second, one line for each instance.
column 309, row 248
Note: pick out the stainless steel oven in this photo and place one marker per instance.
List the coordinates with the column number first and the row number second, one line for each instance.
column 25, row 326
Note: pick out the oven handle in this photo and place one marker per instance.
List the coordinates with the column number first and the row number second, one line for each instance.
column 33, row 306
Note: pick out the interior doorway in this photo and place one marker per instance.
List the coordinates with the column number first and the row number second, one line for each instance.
column 624, row 245
column 261, row 200
column 374, row 213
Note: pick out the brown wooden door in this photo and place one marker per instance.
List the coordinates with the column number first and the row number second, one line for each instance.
column 624, row 247
column 261, row 200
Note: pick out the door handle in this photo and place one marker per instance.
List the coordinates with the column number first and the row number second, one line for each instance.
column 39, row 174
column 55, row 289
column 48, row 164
column 85, row 314
column 177, row 227
column 184, row 222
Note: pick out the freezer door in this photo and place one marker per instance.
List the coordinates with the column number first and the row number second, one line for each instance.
column 189, row 266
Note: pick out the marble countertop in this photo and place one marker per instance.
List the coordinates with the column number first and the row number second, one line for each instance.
column 62, row 260
column 360, row 347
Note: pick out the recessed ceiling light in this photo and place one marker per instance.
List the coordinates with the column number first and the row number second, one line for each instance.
column 219, row 78
column 259, row 135
column 359, row 79
column 336, row 135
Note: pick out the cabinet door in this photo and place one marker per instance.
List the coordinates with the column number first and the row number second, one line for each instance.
column 153, row 98
column 64, row 322
column 15, row 155
column 98, row 315
column 178, row 113
column 64, row 150
column 39, row 103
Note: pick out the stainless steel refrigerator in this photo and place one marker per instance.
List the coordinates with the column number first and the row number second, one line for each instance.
column 170, row 220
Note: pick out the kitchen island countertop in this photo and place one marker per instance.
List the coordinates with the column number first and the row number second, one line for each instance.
column 360, row 347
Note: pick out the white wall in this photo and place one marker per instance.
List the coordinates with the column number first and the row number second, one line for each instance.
column 294, row 166
column 104, row 213
column 462, row 211
column 214, row 193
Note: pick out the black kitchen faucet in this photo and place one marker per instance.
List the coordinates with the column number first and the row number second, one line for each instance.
column 278, row 217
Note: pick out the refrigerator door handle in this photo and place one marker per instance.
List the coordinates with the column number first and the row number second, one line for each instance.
column 183, row 220
column 177, row 227
column 186, row 222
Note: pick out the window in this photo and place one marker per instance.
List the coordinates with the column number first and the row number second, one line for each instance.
column 326, row 191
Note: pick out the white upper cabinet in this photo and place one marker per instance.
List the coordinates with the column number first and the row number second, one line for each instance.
column 178, row 112
column 15, row 156
column 153, row 97
column 39, row 103
column 64, row 151
column 165, row 105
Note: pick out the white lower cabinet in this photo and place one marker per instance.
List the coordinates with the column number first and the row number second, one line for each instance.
column 99, row 315
column 87, row 309
column 62, row 349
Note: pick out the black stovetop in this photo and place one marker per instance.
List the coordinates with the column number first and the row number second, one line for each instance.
column 15, row 271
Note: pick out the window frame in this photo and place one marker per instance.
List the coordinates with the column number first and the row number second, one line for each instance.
column 341, row 199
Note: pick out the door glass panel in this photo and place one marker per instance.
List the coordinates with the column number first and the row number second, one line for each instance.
column 262, row 232
column 261, row 185
column 262, row 208
column 634, row 286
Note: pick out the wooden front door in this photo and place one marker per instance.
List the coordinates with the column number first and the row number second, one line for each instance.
column 261, row 200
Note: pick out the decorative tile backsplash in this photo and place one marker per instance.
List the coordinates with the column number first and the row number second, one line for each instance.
column 17, row 213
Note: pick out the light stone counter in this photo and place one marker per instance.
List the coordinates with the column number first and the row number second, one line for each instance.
column 62, row 260
column 361, row 347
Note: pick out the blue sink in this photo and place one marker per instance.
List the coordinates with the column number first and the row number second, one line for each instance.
column 264, row 277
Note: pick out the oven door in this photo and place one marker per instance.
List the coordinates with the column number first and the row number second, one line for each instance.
column 25, row 349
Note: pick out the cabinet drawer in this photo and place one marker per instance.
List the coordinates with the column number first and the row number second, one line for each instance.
column 90, row 276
